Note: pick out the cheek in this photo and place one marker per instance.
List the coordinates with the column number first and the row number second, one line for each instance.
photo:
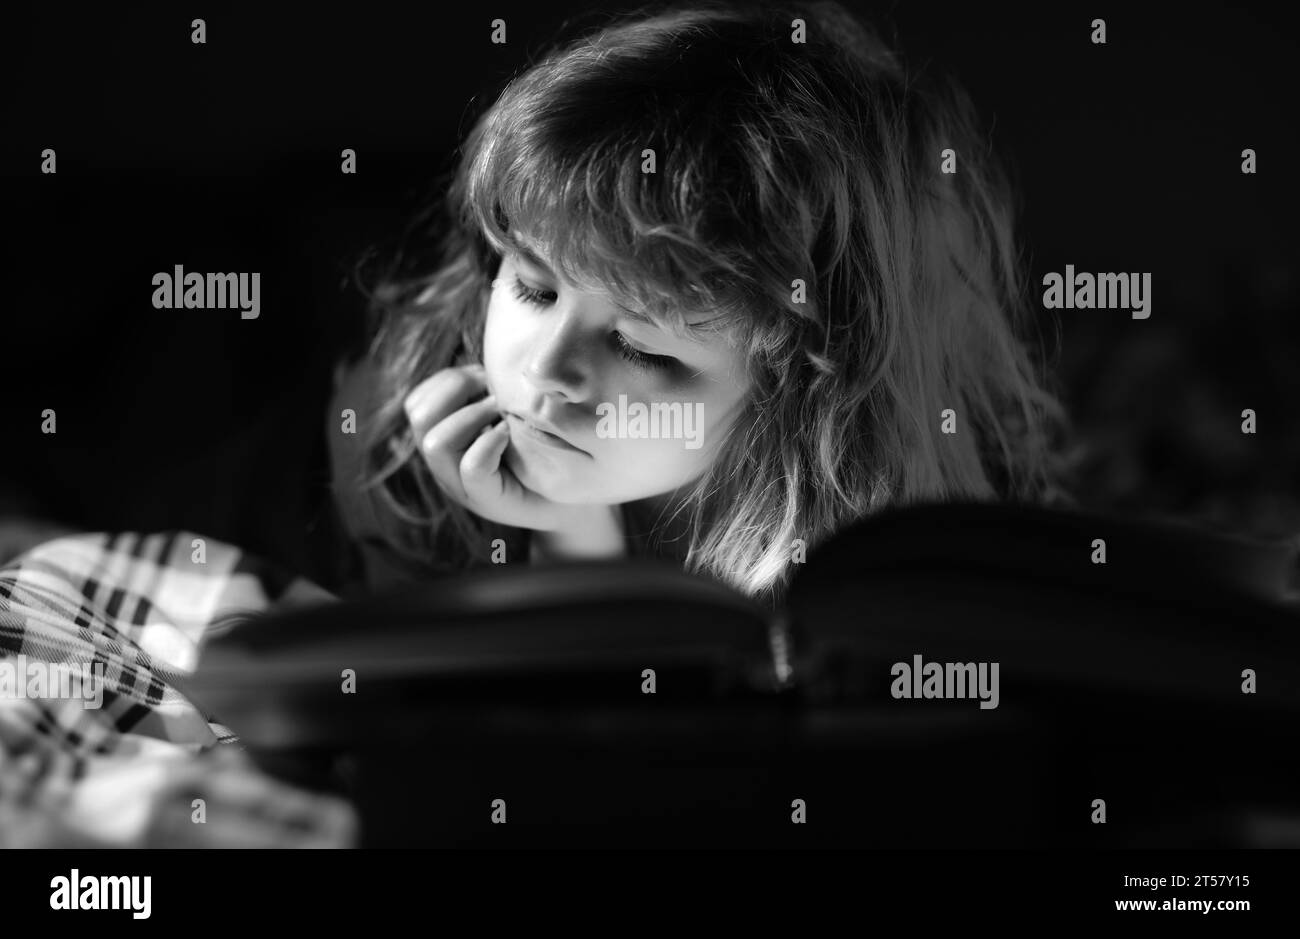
column 673, row 454
column 719, row 420
column 501, row 339
column 650, row 467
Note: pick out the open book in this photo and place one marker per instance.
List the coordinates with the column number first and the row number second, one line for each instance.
column 947, row 673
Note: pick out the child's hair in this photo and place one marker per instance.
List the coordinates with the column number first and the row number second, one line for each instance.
column 776, row 160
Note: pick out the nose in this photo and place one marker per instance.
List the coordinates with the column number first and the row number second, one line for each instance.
column 558, row 364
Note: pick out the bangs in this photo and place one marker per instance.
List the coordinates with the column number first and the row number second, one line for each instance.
column 603, row 225
column 648, row 272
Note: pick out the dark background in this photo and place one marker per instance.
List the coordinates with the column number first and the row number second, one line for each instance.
column 225, row 157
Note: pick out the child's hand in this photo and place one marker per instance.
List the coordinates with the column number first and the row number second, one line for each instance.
column 463, row 437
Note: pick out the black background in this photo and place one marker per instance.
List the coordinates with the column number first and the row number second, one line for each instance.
column 225, row 157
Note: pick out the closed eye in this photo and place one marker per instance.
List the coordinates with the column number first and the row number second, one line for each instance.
column 532, row 294
column 643, row 360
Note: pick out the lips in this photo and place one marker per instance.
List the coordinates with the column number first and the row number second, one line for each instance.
column 542, row 432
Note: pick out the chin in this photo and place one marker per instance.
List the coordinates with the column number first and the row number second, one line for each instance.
column 552, row 481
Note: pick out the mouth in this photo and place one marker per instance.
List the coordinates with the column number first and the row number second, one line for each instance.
column 531, row 431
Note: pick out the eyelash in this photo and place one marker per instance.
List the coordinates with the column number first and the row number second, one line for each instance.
column 636, row 357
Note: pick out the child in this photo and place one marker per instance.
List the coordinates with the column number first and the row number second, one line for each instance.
column 738, row 214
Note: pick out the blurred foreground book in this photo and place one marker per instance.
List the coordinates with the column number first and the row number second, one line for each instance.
column 941, row 675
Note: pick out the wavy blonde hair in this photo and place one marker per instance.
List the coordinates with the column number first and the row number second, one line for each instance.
column 777, row 161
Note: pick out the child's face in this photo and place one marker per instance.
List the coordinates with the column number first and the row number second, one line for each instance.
column 556, row 356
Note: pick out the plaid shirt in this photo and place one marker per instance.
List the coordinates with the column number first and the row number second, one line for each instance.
column 139, row 607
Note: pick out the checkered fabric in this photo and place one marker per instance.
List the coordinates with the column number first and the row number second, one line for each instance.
column 134, row 610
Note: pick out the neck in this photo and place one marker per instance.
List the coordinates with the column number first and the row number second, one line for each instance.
column 659, row 515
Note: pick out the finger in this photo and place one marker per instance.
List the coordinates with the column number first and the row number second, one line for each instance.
column 481, row 463
column 440, row 395
column 493, row 490
column 445, row 444
column 451, row 436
